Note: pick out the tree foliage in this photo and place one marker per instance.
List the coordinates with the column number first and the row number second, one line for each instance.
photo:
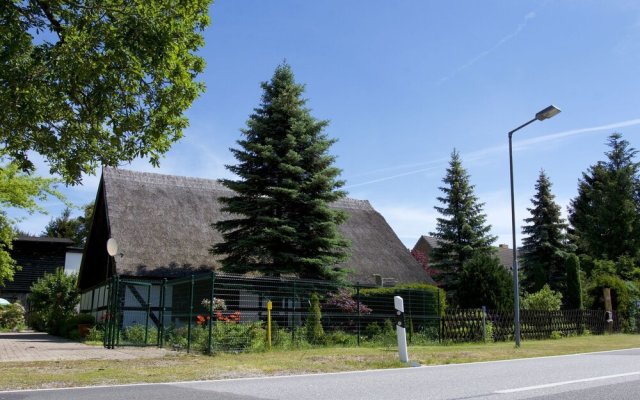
column 605, row 215
column 63, row 226
column 282, row 220
column 544, row 247
column 74, row 228
column 623, row 293
column 23, row 191
column 461, row 231
column 90, row 83
column 485, row 282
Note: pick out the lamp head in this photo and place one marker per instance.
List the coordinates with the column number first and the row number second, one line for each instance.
column 547, row 113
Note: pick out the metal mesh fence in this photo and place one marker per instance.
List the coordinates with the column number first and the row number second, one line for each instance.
column 228, row 313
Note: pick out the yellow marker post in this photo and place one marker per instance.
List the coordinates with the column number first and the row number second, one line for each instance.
column 269, row 307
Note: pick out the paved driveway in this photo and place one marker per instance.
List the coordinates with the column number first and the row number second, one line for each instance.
column 36, row 346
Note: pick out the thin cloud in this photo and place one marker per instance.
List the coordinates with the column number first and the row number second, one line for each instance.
column 561, row 135
column 493, row 48
column 483, row 154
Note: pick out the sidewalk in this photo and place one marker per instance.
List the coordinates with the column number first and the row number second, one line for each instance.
column 36, row 346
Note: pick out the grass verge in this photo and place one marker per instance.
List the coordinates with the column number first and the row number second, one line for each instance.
column 183, row 367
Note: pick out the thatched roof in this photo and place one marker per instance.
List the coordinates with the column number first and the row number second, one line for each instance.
column 503, row 252
column 162, row 224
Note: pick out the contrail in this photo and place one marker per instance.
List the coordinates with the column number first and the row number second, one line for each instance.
column 485, row 53
column 560, row 135
column 488, row 151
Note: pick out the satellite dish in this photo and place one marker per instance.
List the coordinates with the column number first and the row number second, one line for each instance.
column 112, row 247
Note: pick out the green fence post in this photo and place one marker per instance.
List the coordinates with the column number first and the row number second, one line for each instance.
column 93, row 295
column 440, row 317
column 293, row 322
column 111, row 310
column 107, row 319
column 162, row 310
column 358, row 297
column 146, row 323
column 117, row 311
column 190, row 315
column 210, row 311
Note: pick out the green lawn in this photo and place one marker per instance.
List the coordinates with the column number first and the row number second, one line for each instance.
column 182, row 367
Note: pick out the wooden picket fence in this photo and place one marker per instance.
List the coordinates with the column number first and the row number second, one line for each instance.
column 472, row 325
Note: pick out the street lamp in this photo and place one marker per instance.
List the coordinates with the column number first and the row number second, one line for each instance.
column 547, row 113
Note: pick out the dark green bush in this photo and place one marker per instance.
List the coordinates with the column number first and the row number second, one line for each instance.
column 313, row 326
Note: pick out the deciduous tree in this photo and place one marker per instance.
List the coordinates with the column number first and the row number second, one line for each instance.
column 23, row 191
column 97, row 82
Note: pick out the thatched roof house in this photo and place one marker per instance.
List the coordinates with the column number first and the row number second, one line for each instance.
column 162, row 224
column 426, row 244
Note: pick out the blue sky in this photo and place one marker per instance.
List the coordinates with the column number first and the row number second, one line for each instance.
column 404, row 83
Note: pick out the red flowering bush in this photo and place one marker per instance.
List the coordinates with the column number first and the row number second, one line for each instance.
column 343, row 301
column 232, row 317
column 202, row 319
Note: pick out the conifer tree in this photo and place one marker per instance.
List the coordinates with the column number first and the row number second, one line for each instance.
column 604, row 217
column 573, row 299
column 544, row 246
column 484, row 282
column 281, row 222
column 462, row 231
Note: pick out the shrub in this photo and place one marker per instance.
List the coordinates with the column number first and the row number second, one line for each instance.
column 574, row 283
column 555, row 335
column 488, row 332
column 340, row 338
column 12, row 317
column 95, row 334
column 343, row 300
column 372, row 330
column 135, row 334
column 431, row 297
column 483, row 281
column 313, row 326
column 53, row 299
column 85, row 319
column 543, row 300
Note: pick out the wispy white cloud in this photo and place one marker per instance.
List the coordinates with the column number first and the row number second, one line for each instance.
column 486, row 153
column 493, row 48
column 388, row 178
column 522, row 144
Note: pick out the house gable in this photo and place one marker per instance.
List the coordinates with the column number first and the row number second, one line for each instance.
column 163, row 226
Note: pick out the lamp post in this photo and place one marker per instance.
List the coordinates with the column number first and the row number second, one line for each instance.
column 547, row 113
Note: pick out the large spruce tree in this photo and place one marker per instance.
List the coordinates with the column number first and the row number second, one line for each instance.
column 544, row 247
column 604, row 217
column 281, row 222
column 462, row 231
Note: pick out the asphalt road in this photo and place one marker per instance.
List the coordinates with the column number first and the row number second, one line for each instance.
column 605, row 375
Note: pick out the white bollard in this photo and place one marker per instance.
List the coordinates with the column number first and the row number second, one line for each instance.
column 401, row 332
